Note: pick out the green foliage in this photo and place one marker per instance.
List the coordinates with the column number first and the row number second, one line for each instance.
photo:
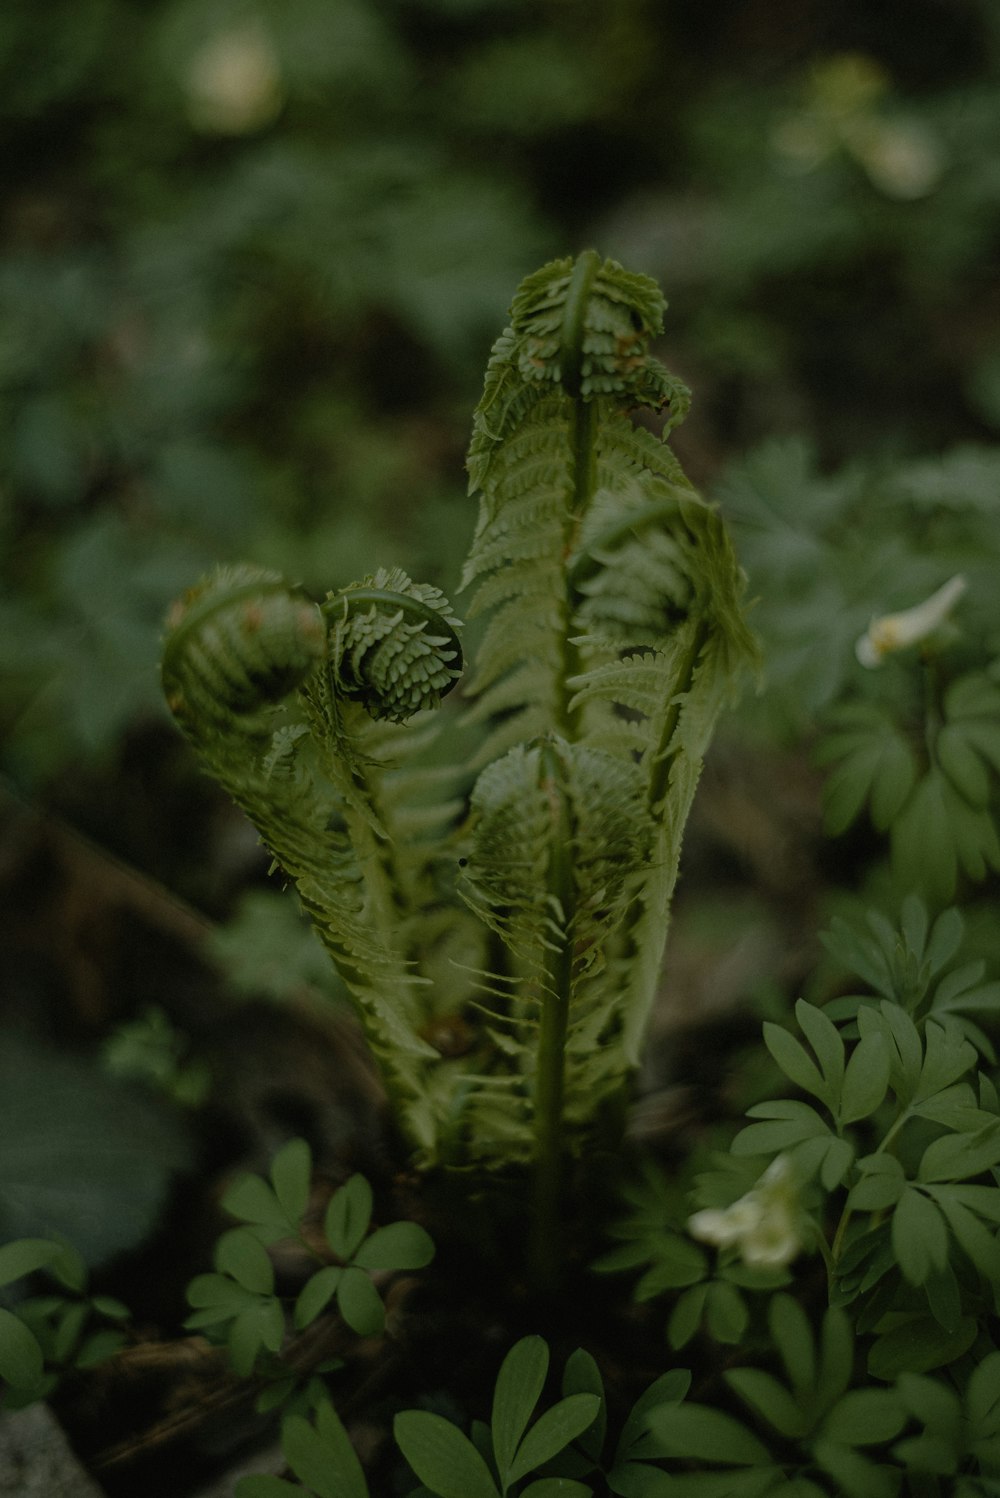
column 84, row 1156
column 45, row 1335
column 614, row 639
column 150, row 1049
column 908, row 702
column 239, row 1300
column 813, row 1412
column 567, row 1443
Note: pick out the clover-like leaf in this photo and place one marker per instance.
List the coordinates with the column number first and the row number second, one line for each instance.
column 398, row 1245
column 291, row 1172
column 241, row 1255
column 316, row 1294
column 359, row 1303
column 348, row 1216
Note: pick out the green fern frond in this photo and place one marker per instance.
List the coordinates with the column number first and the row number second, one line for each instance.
column 283, row 700
column 502, row 953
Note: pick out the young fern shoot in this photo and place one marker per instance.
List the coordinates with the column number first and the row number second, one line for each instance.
column 532, row 916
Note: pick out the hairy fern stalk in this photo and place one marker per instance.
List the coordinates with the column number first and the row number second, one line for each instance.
column 502, row 944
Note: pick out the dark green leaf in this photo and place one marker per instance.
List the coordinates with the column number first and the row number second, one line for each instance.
column 982, row 1397
column 916, row 1344
column 400, row 1245
column 556, row 1487
column 552, row 1432
column 976, row 1239
column 856, row 1476
column 769, row 1399
column 639, row 1480
column 794, row 1061
column 866, row 1079
column 260, row 1325
column 443, row 1458
column 793, row 1338
column 948, row 1057
column 21, row 1361
column 316, row 1294
column 219, row 1292
column 254, row 1201
column 699, row 1433
column 919, row 1236
column 291, row 1173
column 824, row 1037
column 581, row 1375
column 359, row 1303
column 864, row 1417
column 881, row 1183
column 25, row 1255
column 348, row 1216
column 322, row 1456
column 262, row 1485
column 685, row 1318
column 955, row 1156
column 726, row 1313
column 637, row 1440
column 518, row 1387
column 239, row 1254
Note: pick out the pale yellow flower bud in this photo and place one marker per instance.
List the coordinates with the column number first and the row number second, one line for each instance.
column 763, row 1224
column 896, row 631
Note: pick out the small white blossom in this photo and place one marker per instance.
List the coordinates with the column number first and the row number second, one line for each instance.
column 896, row 631
column 764, row 1224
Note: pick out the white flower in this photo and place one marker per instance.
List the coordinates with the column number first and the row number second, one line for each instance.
column 234, row 83
column 895, row 631
column 764, row 1224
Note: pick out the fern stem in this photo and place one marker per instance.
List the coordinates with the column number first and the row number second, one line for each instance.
column 546, row 1245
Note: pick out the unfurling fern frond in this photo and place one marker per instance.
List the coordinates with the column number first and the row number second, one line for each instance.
column 613, row 590
column 614, row 632
column 281, row 699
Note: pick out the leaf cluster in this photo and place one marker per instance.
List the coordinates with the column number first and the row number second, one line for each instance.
column 239, row 1301
column 714, row 1299
column 45, row 1334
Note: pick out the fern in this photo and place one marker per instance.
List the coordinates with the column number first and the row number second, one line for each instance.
column 502, row 950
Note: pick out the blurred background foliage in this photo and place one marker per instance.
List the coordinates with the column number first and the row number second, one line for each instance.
column 253, row 254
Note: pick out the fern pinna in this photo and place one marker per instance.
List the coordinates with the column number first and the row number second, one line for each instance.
column 527, row 916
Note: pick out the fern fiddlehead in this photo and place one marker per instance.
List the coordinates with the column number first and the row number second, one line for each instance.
column 613, row 634
column 283, row 699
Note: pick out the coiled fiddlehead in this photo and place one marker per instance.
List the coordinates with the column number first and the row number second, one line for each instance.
column 238, row 642
column 393, row 644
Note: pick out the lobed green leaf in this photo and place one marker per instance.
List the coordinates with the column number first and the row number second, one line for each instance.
column 21, row 1360
column 359, row 1303
column 697, row 1432
column 291, row 1174
column 348, row 1216
column 552, row 1432
column 518, row 1388
column 443, row 1458
column 399, row 1245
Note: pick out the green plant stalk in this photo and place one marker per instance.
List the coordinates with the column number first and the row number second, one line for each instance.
column 546, row 1248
